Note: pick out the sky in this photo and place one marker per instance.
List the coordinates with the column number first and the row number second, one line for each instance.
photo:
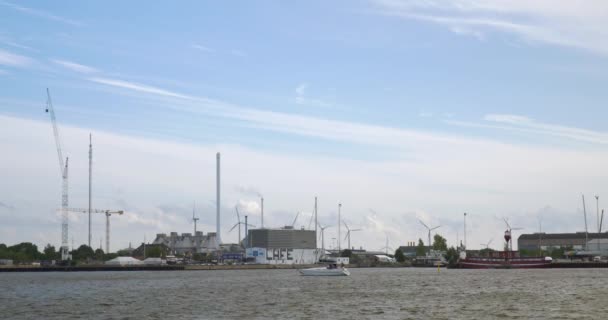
column 400, row 110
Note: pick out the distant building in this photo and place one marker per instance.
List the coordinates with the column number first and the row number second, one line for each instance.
column 598, row 246
column 547, row 241
column 282, row 246
column 186, row 243
column 6, row 262
column 410, row 251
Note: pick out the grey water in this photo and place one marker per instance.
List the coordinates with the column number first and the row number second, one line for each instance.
column 392, row 293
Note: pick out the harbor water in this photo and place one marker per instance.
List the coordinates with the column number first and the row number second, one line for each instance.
column 392, row 293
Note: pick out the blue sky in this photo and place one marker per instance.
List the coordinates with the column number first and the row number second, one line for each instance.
column 495, row 106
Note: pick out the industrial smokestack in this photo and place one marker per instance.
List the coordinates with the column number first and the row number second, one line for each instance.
column 262, row 205
column 217, row 200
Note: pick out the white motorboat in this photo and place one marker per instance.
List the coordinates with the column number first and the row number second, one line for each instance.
column 330, row 270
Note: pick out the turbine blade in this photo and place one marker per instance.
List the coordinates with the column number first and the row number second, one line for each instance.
column 424, row 224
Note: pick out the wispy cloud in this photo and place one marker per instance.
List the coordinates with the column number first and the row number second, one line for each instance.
column 523, row 124
column 6, row 206
column 581, row 24
column 76, row 67
column 14, row 44
column 248, row 190
column 352, row 132
column 140, row 88
column 201, row 47
column 14, row 60
column 41, row 14
column 302, row 99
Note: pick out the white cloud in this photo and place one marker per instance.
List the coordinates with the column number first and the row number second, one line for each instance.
column 484, row 178
column 201, row 48
column 14, row 60
column 302, row 99
column 517, row 123
column 139, row 87
column 41, row 14
column 577, row 23
column 300, row 89
column 76, row 67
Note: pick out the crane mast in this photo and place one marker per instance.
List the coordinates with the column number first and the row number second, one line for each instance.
column 63, row 170
column 108, row 213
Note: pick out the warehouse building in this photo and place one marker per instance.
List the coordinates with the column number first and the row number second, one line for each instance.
column 282, row 246
column 547, row 241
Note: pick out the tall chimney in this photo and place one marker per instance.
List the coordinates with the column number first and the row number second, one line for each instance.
column 90, row 182
column 217, row 201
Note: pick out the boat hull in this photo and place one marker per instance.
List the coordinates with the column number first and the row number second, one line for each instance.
column 325, row 272
column 504, row 264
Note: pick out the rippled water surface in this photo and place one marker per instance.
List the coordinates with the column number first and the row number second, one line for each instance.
column 404, row 293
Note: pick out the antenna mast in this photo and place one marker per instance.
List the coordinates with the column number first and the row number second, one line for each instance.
column 339, row 220
column 90, row 182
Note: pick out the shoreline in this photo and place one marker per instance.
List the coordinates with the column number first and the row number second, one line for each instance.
column 91, row 268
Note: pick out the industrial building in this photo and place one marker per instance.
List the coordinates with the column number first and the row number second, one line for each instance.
column 574, row 241
column 282, row 246
column 186, row 243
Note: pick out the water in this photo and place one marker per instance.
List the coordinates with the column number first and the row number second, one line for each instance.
column 404, row 293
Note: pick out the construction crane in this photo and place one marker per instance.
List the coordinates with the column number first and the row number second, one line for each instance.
column 63, row 170
column 108, row 213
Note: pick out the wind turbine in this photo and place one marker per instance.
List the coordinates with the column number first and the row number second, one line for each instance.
column 323, row 236
column 348, row 231
column 194, row 219
column 508, row 237
column 487, row 245
column 429, row 229
column 239, row 223
column 295, row 219
column 386, row 247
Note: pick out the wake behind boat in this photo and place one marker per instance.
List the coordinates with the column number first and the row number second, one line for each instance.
column 330, row 270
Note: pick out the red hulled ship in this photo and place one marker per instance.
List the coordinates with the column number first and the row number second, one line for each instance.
column 503, row 259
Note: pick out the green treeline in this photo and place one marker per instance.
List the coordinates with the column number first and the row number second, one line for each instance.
column 28, row 252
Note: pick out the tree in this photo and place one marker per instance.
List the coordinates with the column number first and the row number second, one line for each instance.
column 452, row 255
column 124, row 253
column 4, row 253
column 420, row 249
column 83, row 252
column 346, row 253
column 99, row 255
column 153, row 252
column 439, row 243
column 399, row 256
column 24, row 251
column 50, row 253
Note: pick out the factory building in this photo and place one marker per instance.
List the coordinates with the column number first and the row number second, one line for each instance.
column 186, row 243
column 282, row 246
column 546, row 241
